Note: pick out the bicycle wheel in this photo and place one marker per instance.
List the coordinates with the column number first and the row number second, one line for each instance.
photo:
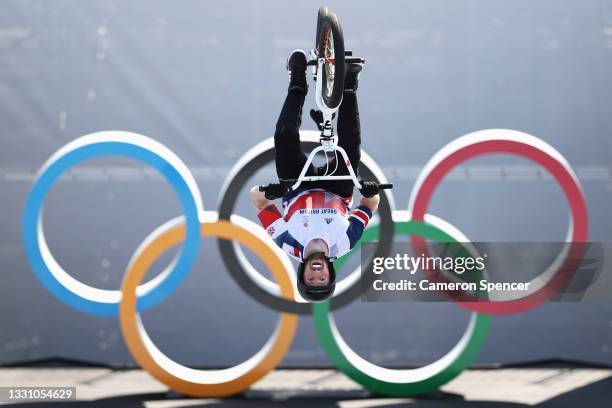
column 330, row 46
column 323, row 12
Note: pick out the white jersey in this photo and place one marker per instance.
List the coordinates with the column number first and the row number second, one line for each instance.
column 311, row 214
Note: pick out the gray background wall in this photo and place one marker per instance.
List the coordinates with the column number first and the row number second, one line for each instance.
column 207, row 79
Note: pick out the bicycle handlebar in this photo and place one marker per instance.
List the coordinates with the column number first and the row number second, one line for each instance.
column 381, row 186
column 288, row 182
column 385, row 186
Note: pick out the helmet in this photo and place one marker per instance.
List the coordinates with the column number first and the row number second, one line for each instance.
column 316, row 293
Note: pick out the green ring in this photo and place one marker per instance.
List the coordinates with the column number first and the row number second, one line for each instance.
column 409, row 382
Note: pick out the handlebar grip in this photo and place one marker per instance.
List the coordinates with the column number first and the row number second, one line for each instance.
column 385, row 186
column 263, row 188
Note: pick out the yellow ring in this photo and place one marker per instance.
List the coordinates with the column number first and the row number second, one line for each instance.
column 203, row 383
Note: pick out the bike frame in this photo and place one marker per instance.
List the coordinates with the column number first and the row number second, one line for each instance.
column 327, row 139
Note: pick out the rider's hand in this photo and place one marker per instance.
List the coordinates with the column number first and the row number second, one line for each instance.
column 273, row 190
column 369, row 188
column 317, row 116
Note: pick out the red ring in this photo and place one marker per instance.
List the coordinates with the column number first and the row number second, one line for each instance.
column 564, row 177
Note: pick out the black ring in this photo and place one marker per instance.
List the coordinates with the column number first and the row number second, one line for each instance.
column 228, row 196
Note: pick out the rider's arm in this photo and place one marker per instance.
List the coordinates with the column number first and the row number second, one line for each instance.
column 370, row 202
column 358, row 220
column 269, row 215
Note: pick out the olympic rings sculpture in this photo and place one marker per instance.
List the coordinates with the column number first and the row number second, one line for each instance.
column 135, row 297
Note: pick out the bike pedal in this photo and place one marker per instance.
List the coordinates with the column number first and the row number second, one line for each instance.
column 355, row 60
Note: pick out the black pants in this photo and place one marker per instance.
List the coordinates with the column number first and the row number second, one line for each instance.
column 290, row 158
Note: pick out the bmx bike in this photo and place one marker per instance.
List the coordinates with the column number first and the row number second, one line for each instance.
column 327, row 61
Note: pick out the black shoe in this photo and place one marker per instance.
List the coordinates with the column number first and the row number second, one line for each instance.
column 296, row 65
column 351, row 78
column 297, row 61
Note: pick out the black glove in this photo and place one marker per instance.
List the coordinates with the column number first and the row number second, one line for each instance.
column 274, row 190
column 369, row 188
column 317, row 116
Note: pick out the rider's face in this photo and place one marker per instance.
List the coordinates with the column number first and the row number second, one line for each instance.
column 316, row 271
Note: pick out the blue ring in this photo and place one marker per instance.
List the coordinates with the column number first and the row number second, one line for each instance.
column 46, row 180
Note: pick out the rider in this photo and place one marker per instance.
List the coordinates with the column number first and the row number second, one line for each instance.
column 316, row 226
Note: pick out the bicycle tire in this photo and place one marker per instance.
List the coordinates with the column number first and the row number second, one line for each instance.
column 330, row 45
column 323, row 12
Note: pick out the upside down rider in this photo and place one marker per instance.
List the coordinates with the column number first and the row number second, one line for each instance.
column 317, row 225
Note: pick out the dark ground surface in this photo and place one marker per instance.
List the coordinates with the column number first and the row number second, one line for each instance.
column 543, row 387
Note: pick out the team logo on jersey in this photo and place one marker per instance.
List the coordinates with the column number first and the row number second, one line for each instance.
column 328, row 220
column 305, row 222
